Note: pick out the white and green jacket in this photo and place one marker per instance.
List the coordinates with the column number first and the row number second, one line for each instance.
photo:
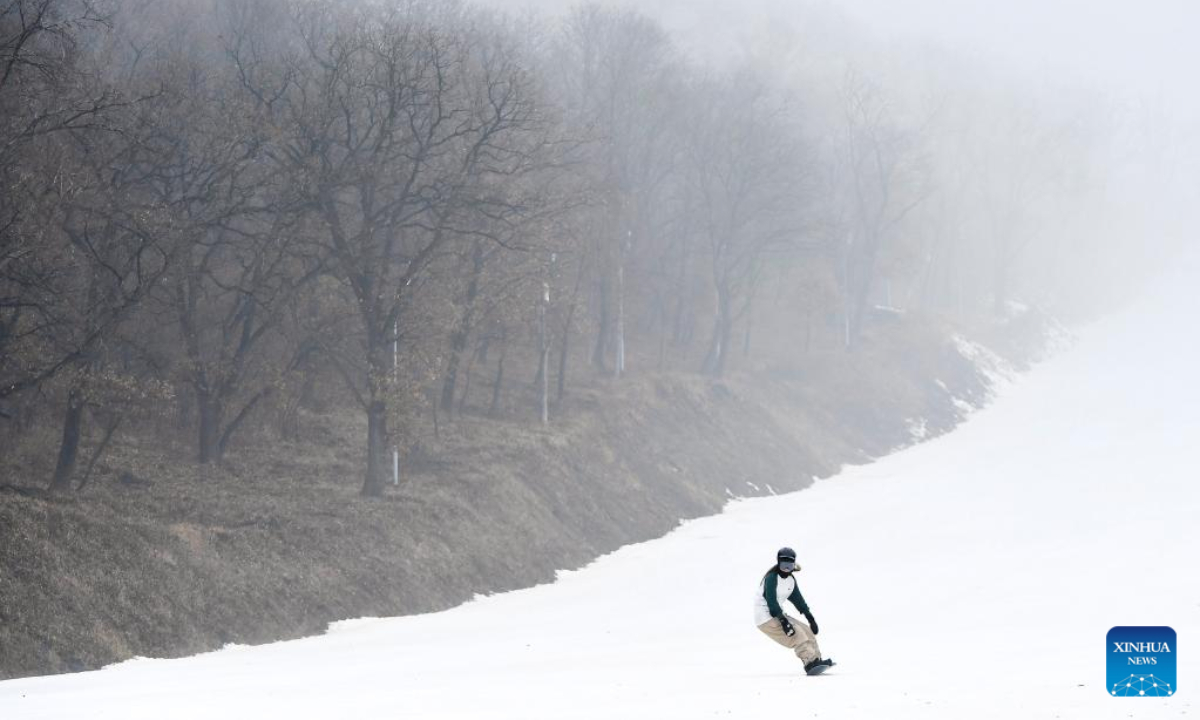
column 773, row 591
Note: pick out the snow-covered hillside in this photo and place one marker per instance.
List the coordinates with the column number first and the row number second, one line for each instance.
column 974, row 576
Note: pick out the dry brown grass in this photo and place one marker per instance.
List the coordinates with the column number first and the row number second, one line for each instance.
column 277, row 543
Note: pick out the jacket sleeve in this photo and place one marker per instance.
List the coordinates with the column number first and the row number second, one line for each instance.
column 770, row 587
column 798, row 600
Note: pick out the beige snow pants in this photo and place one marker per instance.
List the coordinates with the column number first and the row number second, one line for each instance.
column 803, row 643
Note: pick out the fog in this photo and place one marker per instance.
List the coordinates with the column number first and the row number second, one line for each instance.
column 304, row 302
column 672, row 179
column 1145, row 50
column 1126, row 72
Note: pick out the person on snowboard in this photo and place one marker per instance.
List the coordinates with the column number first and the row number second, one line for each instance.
column 779, row 586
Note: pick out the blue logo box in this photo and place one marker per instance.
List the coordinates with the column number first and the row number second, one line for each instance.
column 1141, row 661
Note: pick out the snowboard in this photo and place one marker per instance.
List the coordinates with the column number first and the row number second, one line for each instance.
column 817, row 670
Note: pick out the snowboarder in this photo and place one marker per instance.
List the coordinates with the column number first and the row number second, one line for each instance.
column 777, row 586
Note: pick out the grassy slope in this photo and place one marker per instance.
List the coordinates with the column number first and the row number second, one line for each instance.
column 278, row 543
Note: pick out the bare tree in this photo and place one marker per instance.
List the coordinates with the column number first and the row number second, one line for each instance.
column 619, row 77
column 883, row 178
column 401, row 133
column 47, row 92
column 749, row 177
column 116, row 247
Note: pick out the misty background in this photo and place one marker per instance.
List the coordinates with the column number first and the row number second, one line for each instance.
column 304, row 302
column 1128, row 68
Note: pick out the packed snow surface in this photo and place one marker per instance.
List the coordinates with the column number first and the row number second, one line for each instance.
column 972, row 576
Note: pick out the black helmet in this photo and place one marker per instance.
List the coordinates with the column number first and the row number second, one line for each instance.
column 786, row 558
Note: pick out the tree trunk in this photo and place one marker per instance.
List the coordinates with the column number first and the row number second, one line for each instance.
column 718, row 346
column 619, row 360
column 681, row 291
column 211, row 412
column 235, row 424
column 564, row 347
column 495, row 406
column 677, row 323
column 726, row 340
column 377, row 455
column 183, row 418
column 543, row 365
column 109, row 431
column 380, row 365
column 458, row 340
column 68, row 450
column 462, row 401
column 563, row 354
column 859, row 297
column 601, row 348
column 714, row 348
column 437, row 425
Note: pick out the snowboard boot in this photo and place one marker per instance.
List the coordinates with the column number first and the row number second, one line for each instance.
column 818, row 666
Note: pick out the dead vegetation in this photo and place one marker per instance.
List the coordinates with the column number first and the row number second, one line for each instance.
column 162, row 557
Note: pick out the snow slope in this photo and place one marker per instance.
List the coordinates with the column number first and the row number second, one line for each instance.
column 974, row 576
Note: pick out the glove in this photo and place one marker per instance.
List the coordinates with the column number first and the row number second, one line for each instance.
column 812, row 622
column 787, row 627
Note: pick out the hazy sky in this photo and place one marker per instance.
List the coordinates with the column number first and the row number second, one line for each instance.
column 1149, row 46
